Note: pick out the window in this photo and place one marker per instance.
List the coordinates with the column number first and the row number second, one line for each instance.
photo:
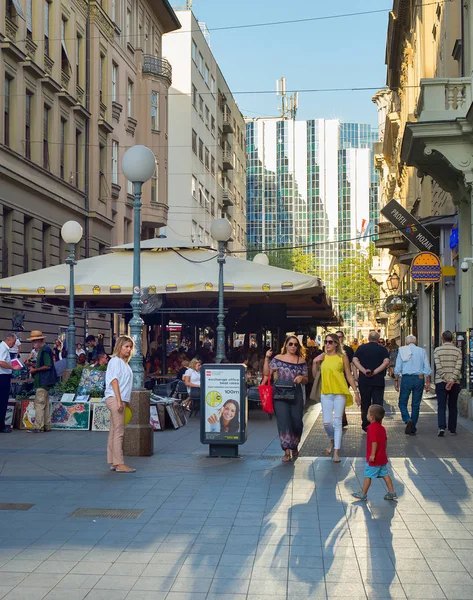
column 201, row 64
column 129, row 188
column 155, row 111
column 46, row 110
column 101, row 75
column 102, row 192
column 46, row 27
column 207, row 117
column 114, row 81
column 78, row 53
column 212, row 84
column 212, row 165
column 207, row 201
column 194, row 187
column 129, row 98
column 194, row 142
column 77, row 157
column 29, row 19
column 65, row 62
column 62, row 147
column 114, row 162
column 154, row 187
column 201, row 107
column 28, row 101
column 6, row 115
column 201, row 234
column 201, row 194
column 213, row 206
column 194, row 96
column 212, row 125
column 27, row 243
column 128, row 26
column 45, row 246
column 193, row 233
column 194, row 51
column 207, row 159
column 206, row 75
column 6, row 241
column 201, row 150
column 113, row 10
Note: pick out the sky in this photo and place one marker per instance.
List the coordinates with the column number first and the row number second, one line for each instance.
column 334, row 53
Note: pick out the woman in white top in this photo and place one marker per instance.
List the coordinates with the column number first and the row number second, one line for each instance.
column 118, row 385
column 80, row 350
column 192, row 380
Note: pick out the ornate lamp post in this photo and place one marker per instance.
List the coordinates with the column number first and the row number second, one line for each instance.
column 71, row 233
column 221, row 230
column 138, row 165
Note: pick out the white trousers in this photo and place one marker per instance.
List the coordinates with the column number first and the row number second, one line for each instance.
column 333, row 406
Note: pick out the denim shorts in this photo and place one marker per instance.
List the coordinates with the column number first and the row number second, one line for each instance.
column 375, row 472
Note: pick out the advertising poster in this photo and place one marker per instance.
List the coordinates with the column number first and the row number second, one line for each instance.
column 222, row 409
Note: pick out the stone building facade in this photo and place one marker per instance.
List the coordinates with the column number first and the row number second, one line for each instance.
column 82, row 81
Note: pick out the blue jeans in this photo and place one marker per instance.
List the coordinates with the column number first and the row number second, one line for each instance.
column 414, row 384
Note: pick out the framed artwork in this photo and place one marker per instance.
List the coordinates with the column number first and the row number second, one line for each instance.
column 10, row 415
column 83, row 398
column 27, row 420
column 172, row 416
column 91, row 379
column 70, row 415
column 154, row 418
column 97, row 400
column 181, row 413
column 100, row 418
column 67, row 398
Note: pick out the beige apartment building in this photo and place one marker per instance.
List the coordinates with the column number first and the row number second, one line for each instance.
column 82, row 81
column 424, row 44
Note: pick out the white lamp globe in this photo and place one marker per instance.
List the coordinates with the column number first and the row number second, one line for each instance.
column 71, row 232
column 138, row 164
column 221, row 230
column 261, row 259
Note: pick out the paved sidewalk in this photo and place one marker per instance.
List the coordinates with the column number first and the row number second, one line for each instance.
column 226, row 529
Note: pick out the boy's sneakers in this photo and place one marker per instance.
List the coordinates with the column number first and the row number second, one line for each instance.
column 391, row 496
column 360, row 496
column 441, row 433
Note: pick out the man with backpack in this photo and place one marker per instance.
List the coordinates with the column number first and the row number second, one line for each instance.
column 45, row 378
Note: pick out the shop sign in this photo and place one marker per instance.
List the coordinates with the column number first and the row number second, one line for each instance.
column 426, row 267
column 223, row 404
column 410, row 228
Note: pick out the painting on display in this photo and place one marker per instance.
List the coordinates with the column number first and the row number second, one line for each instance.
column 10, row 414
column 27, row 420
column 154, row 418
column 100, row 418
column 91, row 379
column 96, row 400
column 67, row 398
column 83, row 398
column 70, row 415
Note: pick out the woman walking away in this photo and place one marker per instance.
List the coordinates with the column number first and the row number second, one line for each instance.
column 118, row 384
column 393, row 350
column 334, row 367
column 291, row 372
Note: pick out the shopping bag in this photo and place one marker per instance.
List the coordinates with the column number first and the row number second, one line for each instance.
column 266, row 397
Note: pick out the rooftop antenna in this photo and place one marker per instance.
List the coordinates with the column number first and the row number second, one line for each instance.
column 289, row 104
column 189, row 4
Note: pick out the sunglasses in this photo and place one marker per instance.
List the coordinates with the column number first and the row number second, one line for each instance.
column 293, row 344
column 330, row 342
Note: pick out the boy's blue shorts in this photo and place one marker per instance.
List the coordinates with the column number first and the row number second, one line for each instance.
column 375, row 472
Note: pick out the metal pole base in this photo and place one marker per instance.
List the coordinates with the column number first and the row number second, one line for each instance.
column 139, row 434
column 223, row 450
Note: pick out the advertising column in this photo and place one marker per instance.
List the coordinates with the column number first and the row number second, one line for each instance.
column 224, row 411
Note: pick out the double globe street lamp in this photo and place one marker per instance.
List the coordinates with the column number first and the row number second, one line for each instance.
column 138, row 166
column 221, row 230
column 71, row 233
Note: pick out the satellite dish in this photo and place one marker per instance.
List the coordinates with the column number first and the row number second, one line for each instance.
column 150, row 302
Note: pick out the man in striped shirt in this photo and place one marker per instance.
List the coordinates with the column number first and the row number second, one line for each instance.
column 448, row 367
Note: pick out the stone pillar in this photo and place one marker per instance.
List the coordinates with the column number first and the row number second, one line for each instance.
column 139, row 433
column 466, row 279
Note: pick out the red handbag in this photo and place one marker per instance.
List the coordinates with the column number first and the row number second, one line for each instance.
column 266, row 397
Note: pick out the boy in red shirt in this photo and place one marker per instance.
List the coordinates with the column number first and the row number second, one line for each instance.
column 376, row 457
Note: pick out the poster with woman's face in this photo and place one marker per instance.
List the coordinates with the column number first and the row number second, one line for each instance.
column 222, row 404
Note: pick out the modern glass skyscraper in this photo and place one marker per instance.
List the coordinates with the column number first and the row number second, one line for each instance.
column 311, row 184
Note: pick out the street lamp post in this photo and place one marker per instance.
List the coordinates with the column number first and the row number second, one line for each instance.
column 221, row 231
column 71, row 233
column 138, row 165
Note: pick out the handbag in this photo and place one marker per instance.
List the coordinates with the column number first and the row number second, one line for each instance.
column 266, row 397
column 284, row 390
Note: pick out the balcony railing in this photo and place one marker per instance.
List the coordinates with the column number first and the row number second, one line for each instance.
column 159, row 67
column 443, row 99
column 227, row 123
column 227, row 198
column 227, row 161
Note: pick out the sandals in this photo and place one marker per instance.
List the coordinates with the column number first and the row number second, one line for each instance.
column 360, row 496
column 295, row 454
column 286, row 458
column 391, row 496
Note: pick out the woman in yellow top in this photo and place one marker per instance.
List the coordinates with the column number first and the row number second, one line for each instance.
column 335, row 371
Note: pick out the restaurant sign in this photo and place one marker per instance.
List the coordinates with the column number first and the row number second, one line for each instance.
column 410, row 228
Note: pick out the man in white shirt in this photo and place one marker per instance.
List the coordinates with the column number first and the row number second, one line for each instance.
column 5, row 377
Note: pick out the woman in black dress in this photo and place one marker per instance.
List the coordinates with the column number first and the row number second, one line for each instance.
column 291, row 373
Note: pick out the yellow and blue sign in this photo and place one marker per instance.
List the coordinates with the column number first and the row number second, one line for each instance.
column 426, row 267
